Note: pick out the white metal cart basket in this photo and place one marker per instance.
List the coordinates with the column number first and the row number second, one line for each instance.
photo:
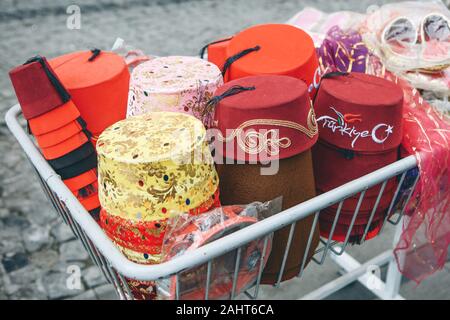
column 116, row 267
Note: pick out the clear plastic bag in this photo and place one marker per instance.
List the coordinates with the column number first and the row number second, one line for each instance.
column 187, row 233
column 412, row 35
column 132, row 56
column 344, row 34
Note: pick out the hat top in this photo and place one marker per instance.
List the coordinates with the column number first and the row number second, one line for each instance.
column 153, row 137
column 175, row 74
column 105, row 66
column 283, row 48
column 363, row 89
column 270, row 91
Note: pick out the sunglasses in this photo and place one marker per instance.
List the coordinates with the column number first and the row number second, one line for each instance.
column 428, row 40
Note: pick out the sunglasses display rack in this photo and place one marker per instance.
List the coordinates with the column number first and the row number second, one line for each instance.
column 117, row 268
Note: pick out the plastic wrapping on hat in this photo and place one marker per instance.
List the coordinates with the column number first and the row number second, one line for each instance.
column 175, row 83
column 59, row 135
column 65, row 147
column 189, row 233
column 275, row 120
column 37, row 87
column 154, row 166
column 54, row 119
column 98, row 85
column 141, row 242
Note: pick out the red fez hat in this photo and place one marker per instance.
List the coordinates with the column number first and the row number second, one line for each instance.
column 82, row 180
column 360, row 112
column 90, row 203
column 351, row 164
column 340, row 231
column 73, row 157
column 65, row 147
column 145, row 236
column 54, row 119
column 217, row 51
column 360, row 125
column 328, row 215
column 59, row 135
column 269, row 49
column 37, row 87
column 98, row 84
column 269, row 116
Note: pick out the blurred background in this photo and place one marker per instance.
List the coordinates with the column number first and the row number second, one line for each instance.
column 36, row 248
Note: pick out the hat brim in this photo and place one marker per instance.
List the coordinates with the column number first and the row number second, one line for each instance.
column 54, row 119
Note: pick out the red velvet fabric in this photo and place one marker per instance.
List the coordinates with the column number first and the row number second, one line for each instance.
column 35, row 92
column 360, row 112
column 333, row 168
column 275, row 98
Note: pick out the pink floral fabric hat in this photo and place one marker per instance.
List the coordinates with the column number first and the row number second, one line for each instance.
column 176, row 84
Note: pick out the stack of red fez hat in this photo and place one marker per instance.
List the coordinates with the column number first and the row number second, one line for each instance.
column 360, row 130
column 60, row 132
column 260, row 119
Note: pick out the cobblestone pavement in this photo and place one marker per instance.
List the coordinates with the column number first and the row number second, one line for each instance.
column 35, row 246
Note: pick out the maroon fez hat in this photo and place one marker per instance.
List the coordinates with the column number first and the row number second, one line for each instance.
column 37, row 87
column 270, row 116
column 360, row 112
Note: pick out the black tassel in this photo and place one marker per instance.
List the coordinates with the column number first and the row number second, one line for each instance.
column 95, row 53
column 327, row 76
column 237, row 56
column 211, row 104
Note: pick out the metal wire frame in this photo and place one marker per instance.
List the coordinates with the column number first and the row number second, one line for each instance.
column 117, row 269
column 329, row 245
column 109, row 273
